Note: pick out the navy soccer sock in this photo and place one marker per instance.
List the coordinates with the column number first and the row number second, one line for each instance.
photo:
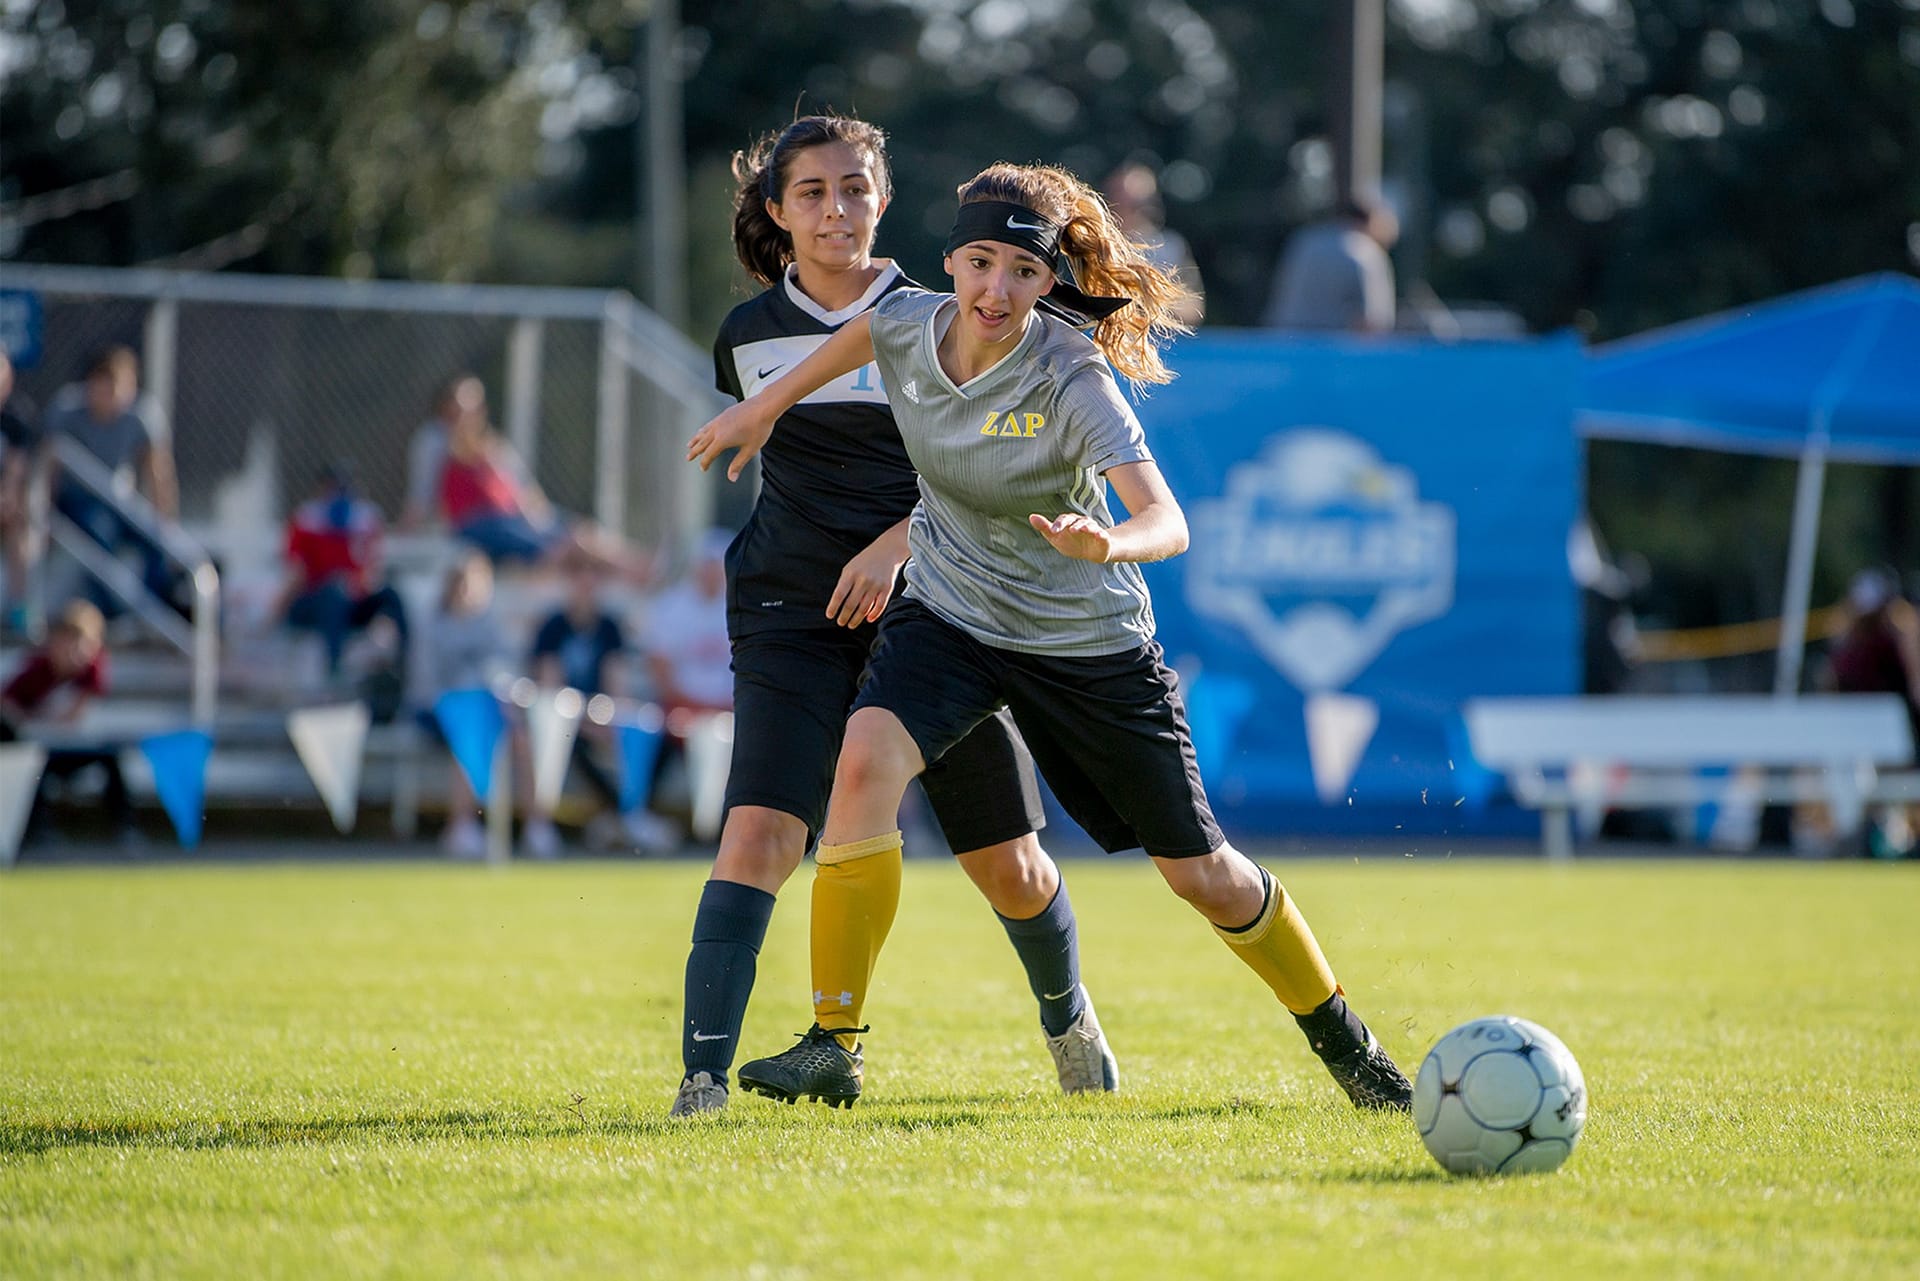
column 1049, row 946
column 727, row 932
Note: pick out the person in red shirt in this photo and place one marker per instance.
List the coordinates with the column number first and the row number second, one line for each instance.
column 490, row 500
column 51, row 689
column 334, row 565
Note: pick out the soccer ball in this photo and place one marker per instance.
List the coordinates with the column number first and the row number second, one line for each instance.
column 1500, row 1095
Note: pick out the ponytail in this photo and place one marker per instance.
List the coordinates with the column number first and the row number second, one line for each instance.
column 1105, row 261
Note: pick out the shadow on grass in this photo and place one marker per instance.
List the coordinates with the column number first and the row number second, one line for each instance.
column 912, row 1114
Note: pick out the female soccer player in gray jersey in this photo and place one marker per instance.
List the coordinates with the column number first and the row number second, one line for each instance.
column 806, row 578
column 1023, row 591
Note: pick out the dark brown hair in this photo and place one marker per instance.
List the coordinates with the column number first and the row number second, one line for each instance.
column 762, row 245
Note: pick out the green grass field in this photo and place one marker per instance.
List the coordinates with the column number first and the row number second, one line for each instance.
column 420, row 1071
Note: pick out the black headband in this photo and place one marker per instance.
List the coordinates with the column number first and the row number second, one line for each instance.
column 1021, row 227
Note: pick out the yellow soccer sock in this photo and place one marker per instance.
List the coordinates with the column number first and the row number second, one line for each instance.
column 856, row 890
column 1279, row 947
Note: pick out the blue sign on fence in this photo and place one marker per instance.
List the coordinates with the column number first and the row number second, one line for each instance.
column 1379, row 532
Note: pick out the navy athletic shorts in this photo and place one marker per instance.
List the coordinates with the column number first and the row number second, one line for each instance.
column 792, row 691
column 1109, row 732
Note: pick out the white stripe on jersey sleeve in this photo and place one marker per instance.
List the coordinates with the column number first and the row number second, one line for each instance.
column 759, row 363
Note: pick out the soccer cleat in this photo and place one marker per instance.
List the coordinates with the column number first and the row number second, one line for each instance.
column 699, row 1093
column 1081, row 1055
column 819, row 1067
column 1371, row 1079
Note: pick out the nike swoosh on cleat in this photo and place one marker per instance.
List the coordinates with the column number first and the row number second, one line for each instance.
column 709, row 1036
column 1013, row 225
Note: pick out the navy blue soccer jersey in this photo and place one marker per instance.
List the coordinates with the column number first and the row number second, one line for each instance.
column 833, row 478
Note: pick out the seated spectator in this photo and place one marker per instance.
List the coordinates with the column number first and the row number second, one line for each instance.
column 333, row 556
column 104, row 414
column 20, row 533
column 427, row 450
column 689, row 657
column 491, row 501
column 52, row 688
column 580, row 646
column 467, row 649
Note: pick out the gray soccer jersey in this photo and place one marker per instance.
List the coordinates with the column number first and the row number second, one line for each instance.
column 1030, row 435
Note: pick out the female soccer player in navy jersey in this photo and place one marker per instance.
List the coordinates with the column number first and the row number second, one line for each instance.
column 806, row 578
column 1023, row 590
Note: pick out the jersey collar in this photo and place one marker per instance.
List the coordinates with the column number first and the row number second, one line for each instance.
column 798, row 297
column 948, row 312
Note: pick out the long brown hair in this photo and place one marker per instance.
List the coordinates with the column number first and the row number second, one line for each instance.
column 763, row 245
column 1105, row 260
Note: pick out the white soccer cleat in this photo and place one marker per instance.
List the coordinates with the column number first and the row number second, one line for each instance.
column 1081, row 1054
column 699, row 1094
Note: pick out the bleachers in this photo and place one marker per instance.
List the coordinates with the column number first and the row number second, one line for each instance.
column 1562, row 755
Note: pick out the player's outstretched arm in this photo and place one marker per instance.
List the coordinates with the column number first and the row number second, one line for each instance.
column 746, row 427
column 1156, row 529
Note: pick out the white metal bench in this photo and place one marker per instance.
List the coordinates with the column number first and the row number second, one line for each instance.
column 1563, row 754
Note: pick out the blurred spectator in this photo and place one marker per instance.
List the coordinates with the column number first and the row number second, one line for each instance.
column 52, row 688
column 104, row 415
column 468, row 650
column 1133, row 193
column 427, row 451
column 492, row 502
column 689, row 658
column 581, row 646
column 334, row 585
column 1879, row 653
column 689, row 662
column 1879, row 650
column 20, row 462
column 1335, row 273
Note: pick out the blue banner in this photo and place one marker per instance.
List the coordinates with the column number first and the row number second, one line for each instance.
column 472, row 722
column 1379, row 532
column 179, row 764
column 639, row 750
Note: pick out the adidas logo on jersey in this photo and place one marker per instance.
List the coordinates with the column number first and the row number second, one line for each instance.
column 912, row 391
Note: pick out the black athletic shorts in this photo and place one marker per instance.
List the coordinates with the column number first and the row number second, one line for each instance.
column 792, row 691
column 1109, row 733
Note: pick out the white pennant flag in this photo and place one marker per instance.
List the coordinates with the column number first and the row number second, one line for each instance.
column 553, row 722
column 709, row 761
column 331, row 742
column 1339, row 727
column 20, row 766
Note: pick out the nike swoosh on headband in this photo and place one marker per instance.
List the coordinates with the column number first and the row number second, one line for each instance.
column 1027, row 226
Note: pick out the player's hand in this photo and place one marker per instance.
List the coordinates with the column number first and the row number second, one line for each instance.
column 865, row 586
column 1076, row 536
column 742, row 428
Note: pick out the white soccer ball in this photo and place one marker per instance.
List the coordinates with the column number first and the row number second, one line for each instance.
column 1500, row 1095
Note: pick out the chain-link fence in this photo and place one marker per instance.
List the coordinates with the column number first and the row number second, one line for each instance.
column 266, row 380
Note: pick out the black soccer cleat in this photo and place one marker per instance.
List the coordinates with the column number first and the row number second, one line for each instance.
column 1371, row 1079
column 819, row 1067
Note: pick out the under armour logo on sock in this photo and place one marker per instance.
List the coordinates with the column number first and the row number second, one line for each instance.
column 846, row 999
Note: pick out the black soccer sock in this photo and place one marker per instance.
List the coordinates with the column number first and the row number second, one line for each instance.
column 1049, row 946
column 1333, row 1029
column 728, row 929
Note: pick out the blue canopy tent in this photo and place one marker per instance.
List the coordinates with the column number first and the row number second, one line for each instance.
column 1832, row 373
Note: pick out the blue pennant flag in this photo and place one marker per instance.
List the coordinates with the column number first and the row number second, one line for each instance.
column 472, row 721
column 179, row 763
column 1216, row 706
column 639, row 749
